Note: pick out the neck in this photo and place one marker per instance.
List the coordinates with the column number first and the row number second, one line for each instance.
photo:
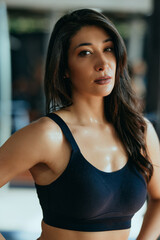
column 88, row 110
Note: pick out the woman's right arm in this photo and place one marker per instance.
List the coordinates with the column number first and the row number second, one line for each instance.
column 1, row 237
column 25, row 148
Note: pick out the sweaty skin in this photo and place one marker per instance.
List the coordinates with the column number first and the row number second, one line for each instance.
column 62, row 234
column 42, row 148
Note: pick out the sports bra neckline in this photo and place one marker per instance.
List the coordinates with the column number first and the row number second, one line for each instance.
column 68, row 134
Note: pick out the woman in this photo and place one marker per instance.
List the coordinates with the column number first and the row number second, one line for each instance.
column 94, row 160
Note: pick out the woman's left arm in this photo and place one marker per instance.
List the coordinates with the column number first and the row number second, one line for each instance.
column 151, row 224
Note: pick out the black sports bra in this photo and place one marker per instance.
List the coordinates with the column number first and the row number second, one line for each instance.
column 84, row 198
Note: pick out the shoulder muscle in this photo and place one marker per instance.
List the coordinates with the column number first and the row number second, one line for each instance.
column 27, row 147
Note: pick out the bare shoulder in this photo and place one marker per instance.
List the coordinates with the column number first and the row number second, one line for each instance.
column 47, row 135
column 153, row 148
column 152, row 142
column 33, row 144
column 45, row 126
column 48, row 131
column 42, row 129
column 35, row 134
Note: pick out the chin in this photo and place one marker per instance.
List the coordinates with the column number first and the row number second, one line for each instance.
column 105, row 93
column 102, row 94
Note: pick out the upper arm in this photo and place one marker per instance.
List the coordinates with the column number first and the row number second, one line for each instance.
column 153, row 149
column 25, row 148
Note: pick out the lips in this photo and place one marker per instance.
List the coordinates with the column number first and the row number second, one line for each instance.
column 103, row 80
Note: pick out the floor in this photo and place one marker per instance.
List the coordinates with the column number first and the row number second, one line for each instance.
column 20, row 214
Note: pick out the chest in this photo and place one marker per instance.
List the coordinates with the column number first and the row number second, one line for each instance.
column 92, row 194
column 101, row 147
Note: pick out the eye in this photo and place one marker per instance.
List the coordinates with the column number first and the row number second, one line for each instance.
column 109, row 49
column 84, row 53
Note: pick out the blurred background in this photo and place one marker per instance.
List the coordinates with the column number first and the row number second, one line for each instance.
column 25, row 27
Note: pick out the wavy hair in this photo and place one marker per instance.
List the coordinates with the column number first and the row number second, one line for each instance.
column 120, row 107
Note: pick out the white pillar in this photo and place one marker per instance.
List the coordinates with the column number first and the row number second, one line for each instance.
column 5, row 77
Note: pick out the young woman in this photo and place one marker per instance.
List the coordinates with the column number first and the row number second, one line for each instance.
column 95, row 158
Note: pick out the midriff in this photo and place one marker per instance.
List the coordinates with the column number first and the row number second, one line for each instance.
column 54, row 233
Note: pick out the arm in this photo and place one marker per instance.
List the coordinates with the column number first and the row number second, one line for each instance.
column 1, row 237
column 26, row 148
column 151, row 224
column 18, row 154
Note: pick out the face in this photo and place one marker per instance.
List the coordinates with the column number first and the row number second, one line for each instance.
column 91, row 62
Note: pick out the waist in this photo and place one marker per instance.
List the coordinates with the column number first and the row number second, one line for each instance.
column 55, row 233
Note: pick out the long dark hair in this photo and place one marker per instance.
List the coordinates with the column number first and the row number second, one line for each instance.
column 120, row 106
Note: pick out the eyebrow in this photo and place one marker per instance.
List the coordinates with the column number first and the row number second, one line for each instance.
column 89, row 44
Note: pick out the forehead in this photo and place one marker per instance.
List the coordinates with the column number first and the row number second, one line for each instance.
column 89, row 34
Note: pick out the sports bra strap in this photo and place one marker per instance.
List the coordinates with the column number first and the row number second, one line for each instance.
column 65, row 129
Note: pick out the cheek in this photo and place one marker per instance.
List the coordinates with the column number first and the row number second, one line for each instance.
column 78, row 70
column 113, row 66
column 113, row 61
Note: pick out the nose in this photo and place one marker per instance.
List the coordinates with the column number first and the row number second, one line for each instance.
column 101, row 63
column 100, row 68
